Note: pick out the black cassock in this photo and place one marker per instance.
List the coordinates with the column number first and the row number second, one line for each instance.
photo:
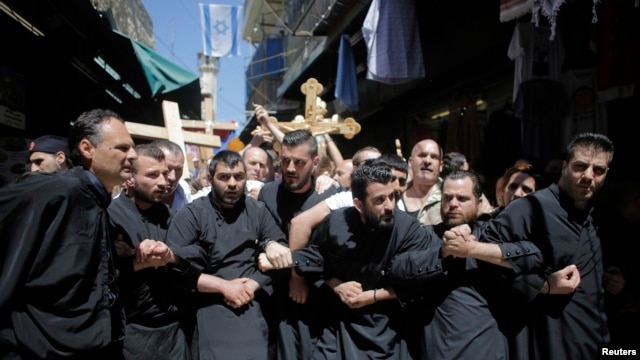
column 451, row 302
column 225, row 243
column 344, row 248
column 157, row 320
column 293, row 325
column 571, row 326
column 57, row 289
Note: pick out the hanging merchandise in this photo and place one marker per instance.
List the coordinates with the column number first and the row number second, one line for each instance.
column 513, row 9
column 347, row 80
column 394, row 52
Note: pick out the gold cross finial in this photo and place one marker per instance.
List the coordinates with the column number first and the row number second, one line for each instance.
column 314, row 120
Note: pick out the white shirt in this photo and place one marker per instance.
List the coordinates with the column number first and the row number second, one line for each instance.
column 339, row 200
column 202, row 192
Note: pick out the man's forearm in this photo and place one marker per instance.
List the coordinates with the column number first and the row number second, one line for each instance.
column 332, row 150
column 210, row 284
column 304, row 223
column 490, row 253
column 384, row 294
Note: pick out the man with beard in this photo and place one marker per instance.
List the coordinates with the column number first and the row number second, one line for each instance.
column 49, row 153
column 58, row 297
column 558, row 319
column 451, row 297
column 178, row 191
column 303, row 224
column 219, row 236
column 285, row 198
column 348, row 258
column 154, row 321
column 422, row 198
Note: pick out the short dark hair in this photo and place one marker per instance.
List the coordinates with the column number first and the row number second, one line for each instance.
column 452, row 161
column 88, row 126
column 228, row 157
column 299, row 137
column 148, row 150
column 463, row 174
column 275, row 160
column 591, row 141
column 367, row 174
column 392, row 161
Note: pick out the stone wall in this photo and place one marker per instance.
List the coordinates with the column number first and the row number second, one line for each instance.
column 131, row 18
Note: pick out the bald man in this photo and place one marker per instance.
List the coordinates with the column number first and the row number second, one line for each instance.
column 259, row 170
column 343, row 173
column 422, row 198
column 259, row 164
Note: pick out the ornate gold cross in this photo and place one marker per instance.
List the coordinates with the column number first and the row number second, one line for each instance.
column 313, row 119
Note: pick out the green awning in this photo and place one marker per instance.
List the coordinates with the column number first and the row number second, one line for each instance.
column 163, row 76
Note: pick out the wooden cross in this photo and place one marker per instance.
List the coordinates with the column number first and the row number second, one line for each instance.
column 173, row 130
column 314, row 120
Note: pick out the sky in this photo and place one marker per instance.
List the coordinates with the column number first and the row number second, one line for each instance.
column 178, row 35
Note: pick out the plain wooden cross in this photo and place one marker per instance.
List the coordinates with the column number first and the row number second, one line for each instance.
column 173, row 130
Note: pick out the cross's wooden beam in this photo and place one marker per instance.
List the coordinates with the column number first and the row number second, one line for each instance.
column 177, row 133
column 173, row 130
column 152, row 132
column 199, row 124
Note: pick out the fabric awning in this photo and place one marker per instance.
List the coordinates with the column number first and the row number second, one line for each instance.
column 163, row 76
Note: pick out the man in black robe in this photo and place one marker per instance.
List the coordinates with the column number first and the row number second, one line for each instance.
column 350, row 252
column 452, row 298
column 220, row 236
column 58, row 297
column 562, row 314
column 292, row 323
column 156, row 319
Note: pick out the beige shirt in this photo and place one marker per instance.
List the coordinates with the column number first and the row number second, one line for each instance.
column 429, row 214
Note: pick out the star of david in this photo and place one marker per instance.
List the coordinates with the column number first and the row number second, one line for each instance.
column 221, row 27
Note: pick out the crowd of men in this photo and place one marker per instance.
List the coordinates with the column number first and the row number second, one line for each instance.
column 105, row 253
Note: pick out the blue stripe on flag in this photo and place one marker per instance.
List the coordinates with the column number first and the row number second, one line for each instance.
column 234, row 31
column 207, row 30
column 221, row 29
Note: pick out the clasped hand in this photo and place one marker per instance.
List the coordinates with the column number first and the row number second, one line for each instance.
column 149, row 253
column 458, row 241
column 351, row 294
column 239, row 292
column 275, row 256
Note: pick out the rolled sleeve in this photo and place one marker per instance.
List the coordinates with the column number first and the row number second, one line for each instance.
column 308, row 262
column 523, row 256
column 410, row 271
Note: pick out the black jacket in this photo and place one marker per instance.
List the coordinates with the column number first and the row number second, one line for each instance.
column 57, row 291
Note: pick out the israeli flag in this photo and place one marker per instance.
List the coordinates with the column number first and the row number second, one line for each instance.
column 220, row 25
